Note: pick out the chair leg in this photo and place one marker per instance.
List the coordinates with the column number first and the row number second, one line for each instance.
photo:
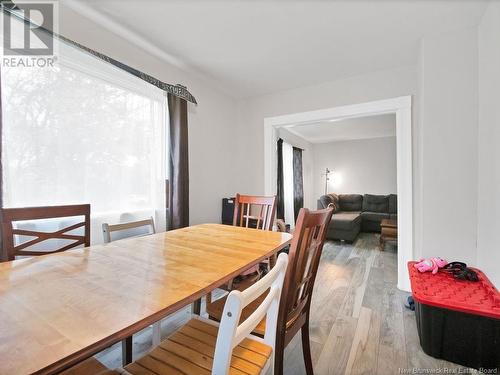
column 196, row 307
column 279, row 356
column 271, row 369
column 127, row 351
column 306, row 348
column 156, row 335
column 272, row 261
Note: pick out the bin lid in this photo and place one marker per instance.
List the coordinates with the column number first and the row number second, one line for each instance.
column 444, row 291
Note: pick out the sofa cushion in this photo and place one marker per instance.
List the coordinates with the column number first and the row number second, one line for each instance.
column 350, row 202
column 376, row 203
column 374, row 216
column 345, row 220
column 393, row 204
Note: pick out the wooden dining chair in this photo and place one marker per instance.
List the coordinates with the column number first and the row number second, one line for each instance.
column 10, row 218
column 254, row 211
column 305, row 252
column 107, row 229
column 250, row 212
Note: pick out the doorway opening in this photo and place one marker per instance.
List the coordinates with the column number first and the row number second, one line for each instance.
column 401, row 108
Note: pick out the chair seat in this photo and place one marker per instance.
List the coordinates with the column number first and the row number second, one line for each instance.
column 216, row 308
column 190, row 350
column 90, row 366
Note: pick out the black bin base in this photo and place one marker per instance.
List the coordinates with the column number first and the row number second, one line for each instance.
column 467, row 339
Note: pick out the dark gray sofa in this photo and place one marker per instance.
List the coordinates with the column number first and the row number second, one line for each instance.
column 355, row 213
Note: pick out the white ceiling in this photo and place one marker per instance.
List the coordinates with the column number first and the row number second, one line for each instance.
column 349, row 129
column 257, row 47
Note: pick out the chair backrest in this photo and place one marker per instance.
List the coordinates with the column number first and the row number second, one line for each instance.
column 254, row 211
column 305, row 252
column 231, row 332
column 107, row 229
column 10, row 216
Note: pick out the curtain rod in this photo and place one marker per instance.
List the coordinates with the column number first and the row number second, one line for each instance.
column 176, row 90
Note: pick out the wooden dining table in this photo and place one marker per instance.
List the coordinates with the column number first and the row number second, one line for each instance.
column 58, row 309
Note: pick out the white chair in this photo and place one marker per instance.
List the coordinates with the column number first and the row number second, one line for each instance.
column 131, row 229
column 218, row 347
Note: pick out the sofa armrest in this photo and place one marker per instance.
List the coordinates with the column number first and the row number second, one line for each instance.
column 321, row 206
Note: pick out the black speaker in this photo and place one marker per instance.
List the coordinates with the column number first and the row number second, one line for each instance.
column 227, row 211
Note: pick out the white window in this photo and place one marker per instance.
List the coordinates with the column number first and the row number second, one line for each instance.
column 84, row 132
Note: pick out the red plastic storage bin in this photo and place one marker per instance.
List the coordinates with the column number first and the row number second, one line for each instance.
column 457, row 320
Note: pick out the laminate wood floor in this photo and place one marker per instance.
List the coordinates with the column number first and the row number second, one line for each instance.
column 359, row 324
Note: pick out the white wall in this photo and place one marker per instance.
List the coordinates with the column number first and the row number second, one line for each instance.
column 211, row 124
column 445, row 135
column 365, row 88
column 448, row 116
column 488, row 253
column 359, row 89
column 363, row 166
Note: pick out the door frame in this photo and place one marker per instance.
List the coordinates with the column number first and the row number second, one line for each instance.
column 401, row 107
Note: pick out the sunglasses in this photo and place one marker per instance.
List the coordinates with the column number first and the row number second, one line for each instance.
column 460, row 271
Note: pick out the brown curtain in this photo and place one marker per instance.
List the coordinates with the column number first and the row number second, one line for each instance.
column 298, row 183
column 280, row 194
column 178, row 205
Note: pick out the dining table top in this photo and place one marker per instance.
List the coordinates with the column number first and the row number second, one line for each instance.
column 58, row 309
